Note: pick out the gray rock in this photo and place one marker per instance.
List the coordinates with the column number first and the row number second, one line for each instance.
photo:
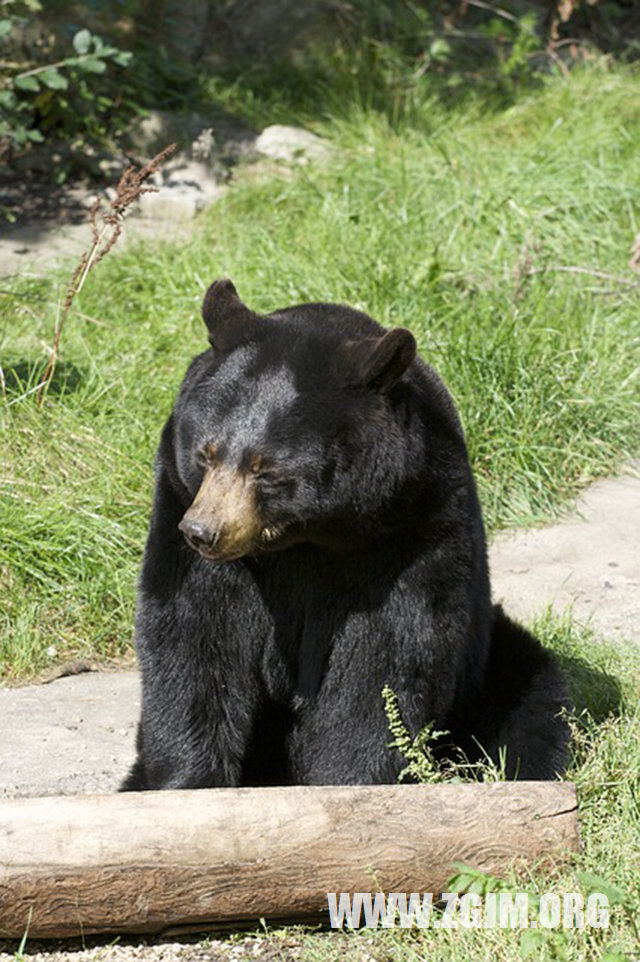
column 184, row 187
column 291, row 145
column 588, row 563
column 76, row 734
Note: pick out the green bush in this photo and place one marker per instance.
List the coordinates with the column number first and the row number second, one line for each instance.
column 53, row 88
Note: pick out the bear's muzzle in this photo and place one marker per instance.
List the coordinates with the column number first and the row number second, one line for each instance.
column 223, row 523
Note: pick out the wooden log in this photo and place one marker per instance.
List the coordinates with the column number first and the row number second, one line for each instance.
column 144, row 862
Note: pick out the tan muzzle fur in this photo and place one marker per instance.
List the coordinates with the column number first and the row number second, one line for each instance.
column 225, row 505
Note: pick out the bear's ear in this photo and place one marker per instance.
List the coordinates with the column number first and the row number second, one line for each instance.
column 230, row 322
column 381, row 361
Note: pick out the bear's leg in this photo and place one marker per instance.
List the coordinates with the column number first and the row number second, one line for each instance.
column 200, row 633
column 135, row 780
column 520, row 709
column 200, row 700
column 419, row 651
column 340, row 746
column 342, row 735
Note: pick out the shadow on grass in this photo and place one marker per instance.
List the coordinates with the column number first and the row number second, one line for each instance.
column 22, row 377
column 592, row 689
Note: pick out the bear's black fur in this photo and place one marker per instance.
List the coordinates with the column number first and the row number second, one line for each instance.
column 316, row 535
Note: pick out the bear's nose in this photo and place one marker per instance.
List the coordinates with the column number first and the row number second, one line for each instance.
column 198, row 534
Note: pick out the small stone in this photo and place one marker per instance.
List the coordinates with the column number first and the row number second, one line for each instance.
column 291, row 144
column 177, row 204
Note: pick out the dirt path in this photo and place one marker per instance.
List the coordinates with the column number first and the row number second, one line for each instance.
column 33, row 250
column 76, row 734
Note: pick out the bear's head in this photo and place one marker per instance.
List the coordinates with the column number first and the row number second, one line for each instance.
column 295, row 427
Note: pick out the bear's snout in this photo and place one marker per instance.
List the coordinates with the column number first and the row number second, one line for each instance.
column 223, row 523
column 199, row 535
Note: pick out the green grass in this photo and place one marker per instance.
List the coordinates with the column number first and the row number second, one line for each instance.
column 432, row 226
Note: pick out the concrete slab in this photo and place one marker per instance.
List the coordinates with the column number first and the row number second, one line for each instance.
column 589, row 563
column 75, row 734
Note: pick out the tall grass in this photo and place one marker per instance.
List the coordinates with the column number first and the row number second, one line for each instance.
column 452, row 225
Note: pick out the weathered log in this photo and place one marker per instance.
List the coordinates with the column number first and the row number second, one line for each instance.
column 144, row 862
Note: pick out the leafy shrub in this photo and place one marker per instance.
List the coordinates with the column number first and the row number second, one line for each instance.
column 53, row 88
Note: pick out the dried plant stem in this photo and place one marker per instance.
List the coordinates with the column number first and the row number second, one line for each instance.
column 73, row 290
column 106, row 227
column 574, row 269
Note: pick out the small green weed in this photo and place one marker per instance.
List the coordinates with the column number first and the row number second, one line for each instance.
column 420, row 752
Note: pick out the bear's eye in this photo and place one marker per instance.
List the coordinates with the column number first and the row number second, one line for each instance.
column 270, row 478
column 206, row 455
column 262, row 472
column 265, row 474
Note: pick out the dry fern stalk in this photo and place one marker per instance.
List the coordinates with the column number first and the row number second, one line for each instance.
column 106, row 227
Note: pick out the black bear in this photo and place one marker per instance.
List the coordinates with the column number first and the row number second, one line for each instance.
column 315, row 536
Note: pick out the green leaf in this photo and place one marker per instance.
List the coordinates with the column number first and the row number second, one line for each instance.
column 462, row 868
column 460, row 883
column 593, row 883
column 440, row 50
column 5, row 28
column 93, row 66
column 7, row 99
column 530, row 941
column 35, row 136
column 479, row 887
column 82, row 41
column 123, row 58
column 26, row 83
column 53, row 79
